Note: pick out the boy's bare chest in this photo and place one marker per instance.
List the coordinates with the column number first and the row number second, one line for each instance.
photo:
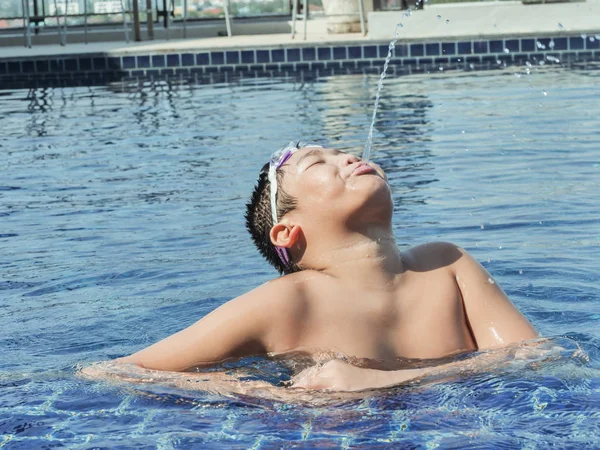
column 422, row 318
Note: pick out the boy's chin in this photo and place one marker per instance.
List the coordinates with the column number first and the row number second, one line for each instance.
column 372, row 188
column 375, row 207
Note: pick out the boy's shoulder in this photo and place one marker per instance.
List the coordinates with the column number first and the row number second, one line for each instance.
column 287, row 288
column 296, row 283
column 431, row 256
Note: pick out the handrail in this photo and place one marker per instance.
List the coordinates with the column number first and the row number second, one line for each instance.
column 62, row 16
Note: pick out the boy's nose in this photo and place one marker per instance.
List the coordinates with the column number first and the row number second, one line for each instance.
column 351, row 159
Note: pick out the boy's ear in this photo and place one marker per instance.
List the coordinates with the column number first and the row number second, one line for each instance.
column 285, row 235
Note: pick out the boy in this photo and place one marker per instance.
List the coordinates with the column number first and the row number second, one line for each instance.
column 324, row 219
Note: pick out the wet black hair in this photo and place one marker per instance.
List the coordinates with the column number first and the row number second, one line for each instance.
column 259, row 219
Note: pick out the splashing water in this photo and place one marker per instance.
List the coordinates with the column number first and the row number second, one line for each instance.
column 367, row 150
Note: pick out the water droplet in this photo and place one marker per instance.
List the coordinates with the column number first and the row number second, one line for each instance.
column 592, row 39
column 506, row 50
column 540, row 45
column 545, row 93
column 583, row 36
column 560, row 25
column 491, row 281
column 439, row 17
column 482, row 226
column 500, row 247
column 407, row 13
column 466, row 149
column 520, row 272
column 441, row 69
column 489, row 260
column 471, row 66
column 447, row 20
column 517, row 74
column 527, row 63
column 463, row 131
column 551, row 43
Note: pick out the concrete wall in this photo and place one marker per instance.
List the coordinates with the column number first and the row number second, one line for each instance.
column 506, row 18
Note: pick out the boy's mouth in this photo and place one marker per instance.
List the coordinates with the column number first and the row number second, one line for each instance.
column 362, row 169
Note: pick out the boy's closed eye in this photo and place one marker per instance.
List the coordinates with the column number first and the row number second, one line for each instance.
column 316, row 163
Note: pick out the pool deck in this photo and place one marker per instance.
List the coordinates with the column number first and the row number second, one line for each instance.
column 435, row 22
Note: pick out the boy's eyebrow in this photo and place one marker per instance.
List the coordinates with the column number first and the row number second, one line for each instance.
column 310, row 153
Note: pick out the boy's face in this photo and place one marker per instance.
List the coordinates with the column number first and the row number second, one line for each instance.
column 328, row 183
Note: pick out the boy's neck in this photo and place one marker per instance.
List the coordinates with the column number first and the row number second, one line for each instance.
column 369, row 259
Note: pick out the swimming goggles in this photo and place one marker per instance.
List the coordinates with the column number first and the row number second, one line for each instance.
column 278, row 159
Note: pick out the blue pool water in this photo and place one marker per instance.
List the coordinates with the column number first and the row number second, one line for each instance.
column 121, row 212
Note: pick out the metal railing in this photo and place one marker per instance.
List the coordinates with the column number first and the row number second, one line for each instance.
column 34, row 15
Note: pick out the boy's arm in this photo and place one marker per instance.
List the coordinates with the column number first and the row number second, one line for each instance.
column 493, row 319
column 336, row 375
column 255, row 323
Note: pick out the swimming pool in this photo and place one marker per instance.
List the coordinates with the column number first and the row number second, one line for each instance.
column 122, row 222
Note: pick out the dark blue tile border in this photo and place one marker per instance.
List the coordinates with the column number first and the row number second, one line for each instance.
column 355, row 52
column 293, row 54
column 188, row 59
column 528, row 45
column 71, row 65
column 401, row 50
column 449, row 48
column 464, row 48
column 416, row 50
column 432, row 49
column 262, row 56
column 128, row 62
column 158, row 60
column 27, row 66
column 100, row 63
column 85, row 64
column 370, row 51
column 248, row 56
column 480, row 47
column 560, row 43
column 217, row 58
column 340, row 53
column 40, row 66
column 592, row 43
column 278, row 55
column 143, row 61
column 411, row 57
column 308, row 54
column 323, row 53
column 173, row 60
column 202, row 59
column 511, row 45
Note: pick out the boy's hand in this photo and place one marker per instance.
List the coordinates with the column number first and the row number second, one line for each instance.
column 336, row 375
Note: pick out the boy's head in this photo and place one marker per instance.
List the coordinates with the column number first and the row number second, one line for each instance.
column 317, row 191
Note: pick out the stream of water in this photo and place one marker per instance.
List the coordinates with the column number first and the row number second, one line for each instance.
column 367, row 150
